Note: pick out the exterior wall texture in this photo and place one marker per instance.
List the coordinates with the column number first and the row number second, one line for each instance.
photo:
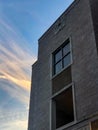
column 94, row 11
column 78, row 23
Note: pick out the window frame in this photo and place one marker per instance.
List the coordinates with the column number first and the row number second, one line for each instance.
column 67, row 41
column 74, row 108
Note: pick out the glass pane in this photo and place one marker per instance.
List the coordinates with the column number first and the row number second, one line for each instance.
column 67, row 60
column 66, row 49
column 58, row 56
column 58, row 67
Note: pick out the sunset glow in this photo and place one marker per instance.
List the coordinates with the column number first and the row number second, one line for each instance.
column 22, row 22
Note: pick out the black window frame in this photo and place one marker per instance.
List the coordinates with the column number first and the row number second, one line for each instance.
column 62, row 57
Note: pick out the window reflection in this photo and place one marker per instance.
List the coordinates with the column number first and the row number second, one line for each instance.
column 58, row 67
column 58, row 56
column 67, row 60
column 66, row 49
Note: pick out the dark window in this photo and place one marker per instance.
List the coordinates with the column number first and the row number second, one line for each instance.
column 94, row 125
column 63, row 110
column 61, row 57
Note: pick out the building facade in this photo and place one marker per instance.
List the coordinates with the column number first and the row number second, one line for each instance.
column 64, row 91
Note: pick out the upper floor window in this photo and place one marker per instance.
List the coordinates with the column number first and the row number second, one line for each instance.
column 62, row 57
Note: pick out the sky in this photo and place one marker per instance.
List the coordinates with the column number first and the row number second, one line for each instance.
column 22, row 23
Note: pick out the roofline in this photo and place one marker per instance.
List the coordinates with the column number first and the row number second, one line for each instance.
column 34, row 64
column 64, row 13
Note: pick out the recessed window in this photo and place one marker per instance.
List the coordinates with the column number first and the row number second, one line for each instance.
column 61, row 57
column 63, row 108
column 94, row 125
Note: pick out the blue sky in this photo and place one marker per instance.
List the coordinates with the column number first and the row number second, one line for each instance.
column 22, row 22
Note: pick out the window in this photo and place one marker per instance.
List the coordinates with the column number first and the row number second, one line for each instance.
column 94, row 125
column 63, row 108
column 61, row 57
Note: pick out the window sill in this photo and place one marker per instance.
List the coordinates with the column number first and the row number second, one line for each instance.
column 67, row 125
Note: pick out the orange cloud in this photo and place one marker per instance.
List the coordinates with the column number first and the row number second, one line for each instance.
column 15, row 66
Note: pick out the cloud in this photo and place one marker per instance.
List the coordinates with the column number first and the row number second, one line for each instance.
column 13, row 121
column 14, row 106
column 15, row 60
column 15, row 125
column 13, row 93
column 12, row 116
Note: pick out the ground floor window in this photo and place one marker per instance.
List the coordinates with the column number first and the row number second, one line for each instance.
column 63, row 108
column 94, row 125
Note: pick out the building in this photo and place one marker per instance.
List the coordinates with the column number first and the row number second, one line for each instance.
column 64, row 92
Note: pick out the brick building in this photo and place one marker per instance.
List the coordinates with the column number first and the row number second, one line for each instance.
column 64, row 91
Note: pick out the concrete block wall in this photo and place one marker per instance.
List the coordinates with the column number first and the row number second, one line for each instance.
column 76, row 23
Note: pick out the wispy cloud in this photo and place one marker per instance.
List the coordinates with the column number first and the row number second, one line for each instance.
column 13, row 120
column 14, row 92
column 16, row 59
column 15, row 66
column 15, row 125
column 14, row 107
